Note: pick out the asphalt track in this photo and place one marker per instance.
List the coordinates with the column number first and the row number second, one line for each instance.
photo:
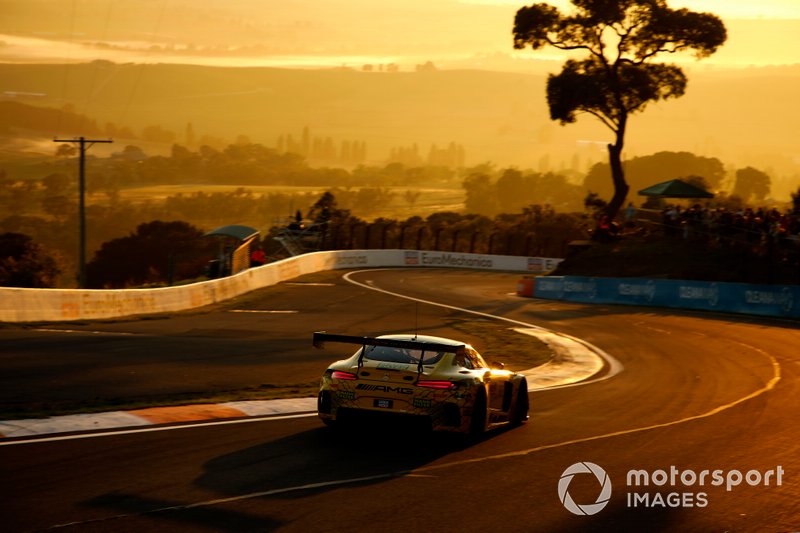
column 699, row 392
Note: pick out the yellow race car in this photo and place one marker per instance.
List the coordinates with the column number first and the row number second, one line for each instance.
column 443, row 382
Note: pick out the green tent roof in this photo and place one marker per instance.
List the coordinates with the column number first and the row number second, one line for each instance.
column 243, row 233
column 675, row 189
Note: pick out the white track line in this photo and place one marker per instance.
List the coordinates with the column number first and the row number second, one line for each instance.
column 419, row 472
column 776, row 377
column 549, row 376
column 614, row 366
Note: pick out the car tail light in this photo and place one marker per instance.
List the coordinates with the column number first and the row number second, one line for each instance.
column 338, row 374
column 432, row 384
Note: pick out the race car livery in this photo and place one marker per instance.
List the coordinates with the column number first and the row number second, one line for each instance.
column 443, row 382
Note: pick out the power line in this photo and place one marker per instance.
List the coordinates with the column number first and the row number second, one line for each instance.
column 83, row 145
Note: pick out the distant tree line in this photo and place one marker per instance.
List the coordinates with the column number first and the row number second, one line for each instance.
column 453, row 156
column 315, row 150
column 242, row 163
column 44, row 208
column 509, row 191
column 320, row 150
column 534, row 231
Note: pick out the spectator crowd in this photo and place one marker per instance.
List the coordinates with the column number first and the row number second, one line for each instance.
column 746, row 226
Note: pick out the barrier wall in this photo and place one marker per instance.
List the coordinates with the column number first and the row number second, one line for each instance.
column 53, row 305
column 763, row 300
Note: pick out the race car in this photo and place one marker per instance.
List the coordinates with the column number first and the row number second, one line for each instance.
column 443, row 382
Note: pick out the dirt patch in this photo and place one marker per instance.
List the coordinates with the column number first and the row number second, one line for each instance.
column 498, row 342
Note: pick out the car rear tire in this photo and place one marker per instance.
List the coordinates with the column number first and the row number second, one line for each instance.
column 477, row 423
column 521, row 406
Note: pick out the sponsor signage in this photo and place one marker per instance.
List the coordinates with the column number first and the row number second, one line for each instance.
column 456, row 260
column 30, row 305
column 764, row 300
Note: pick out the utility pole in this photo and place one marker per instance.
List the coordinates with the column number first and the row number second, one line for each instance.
column 83, row 145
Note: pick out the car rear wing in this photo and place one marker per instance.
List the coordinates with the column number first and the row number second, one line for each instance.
column 320, row 338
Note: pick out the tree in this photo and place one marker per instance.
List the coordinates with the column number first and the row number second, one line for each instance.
column 133, row 153
column 327, row 210
column 66, row 150
column 510, row 189
column 796, row 201
column 146, row 256
column 752, row 183
column 619, row 77
column 698, row 181
column 481, row 197
column 23, row 263
column 641, row 172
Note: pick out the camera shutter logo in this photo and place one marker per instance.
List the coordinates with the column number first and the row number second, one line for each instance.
column 584, row 468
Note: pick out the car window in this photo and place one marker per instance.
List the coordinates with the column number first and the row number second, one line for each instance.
column 470, row 359
column 477, row 360
column 464, row 360
column 401, row 355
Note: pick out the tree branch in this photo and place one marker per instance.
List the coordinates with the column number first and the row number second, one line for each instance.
column 609, row 123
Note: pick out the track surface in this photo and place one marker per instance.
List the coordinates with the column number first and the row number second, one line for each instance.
column 699, row 392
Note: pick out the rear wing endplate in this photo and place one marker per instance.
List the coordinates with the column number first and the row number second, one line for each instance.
column 320, row 338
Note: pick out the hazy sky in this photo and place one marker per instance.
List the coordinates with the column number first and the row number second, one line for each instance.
column 305, row 33
column 760, row 32
column 745, row 116
column 789, row 9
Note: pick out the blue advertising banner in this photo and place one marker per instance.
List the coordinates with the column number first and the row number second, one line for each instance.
column 764, row 300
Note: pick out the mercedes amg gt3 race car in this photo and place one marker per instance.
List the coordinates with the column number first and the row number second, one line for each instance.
column 440, row 381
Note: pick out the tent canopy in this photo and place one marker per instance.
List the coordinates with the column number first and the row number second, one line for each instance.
column 675, row 189
column 242, row 233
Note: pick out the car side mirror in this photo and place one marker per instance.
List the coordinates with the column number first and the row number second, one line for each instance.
column 498, row 366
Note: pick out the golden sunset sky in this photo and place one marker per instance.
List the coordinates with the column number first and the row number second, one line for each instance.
column 741, row 105
column 760, row 32
column 306, row 33
column 788, row 9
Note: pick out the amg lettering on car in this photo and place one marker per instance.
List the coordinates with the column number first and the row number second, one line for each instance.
column 384, row 388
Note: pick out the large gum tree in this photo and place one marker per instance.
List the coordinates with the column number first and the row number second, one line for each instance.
column 619, row 75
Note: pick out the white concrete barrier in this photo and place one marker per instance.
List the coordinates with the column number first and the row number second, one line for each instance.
column 56, row 305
